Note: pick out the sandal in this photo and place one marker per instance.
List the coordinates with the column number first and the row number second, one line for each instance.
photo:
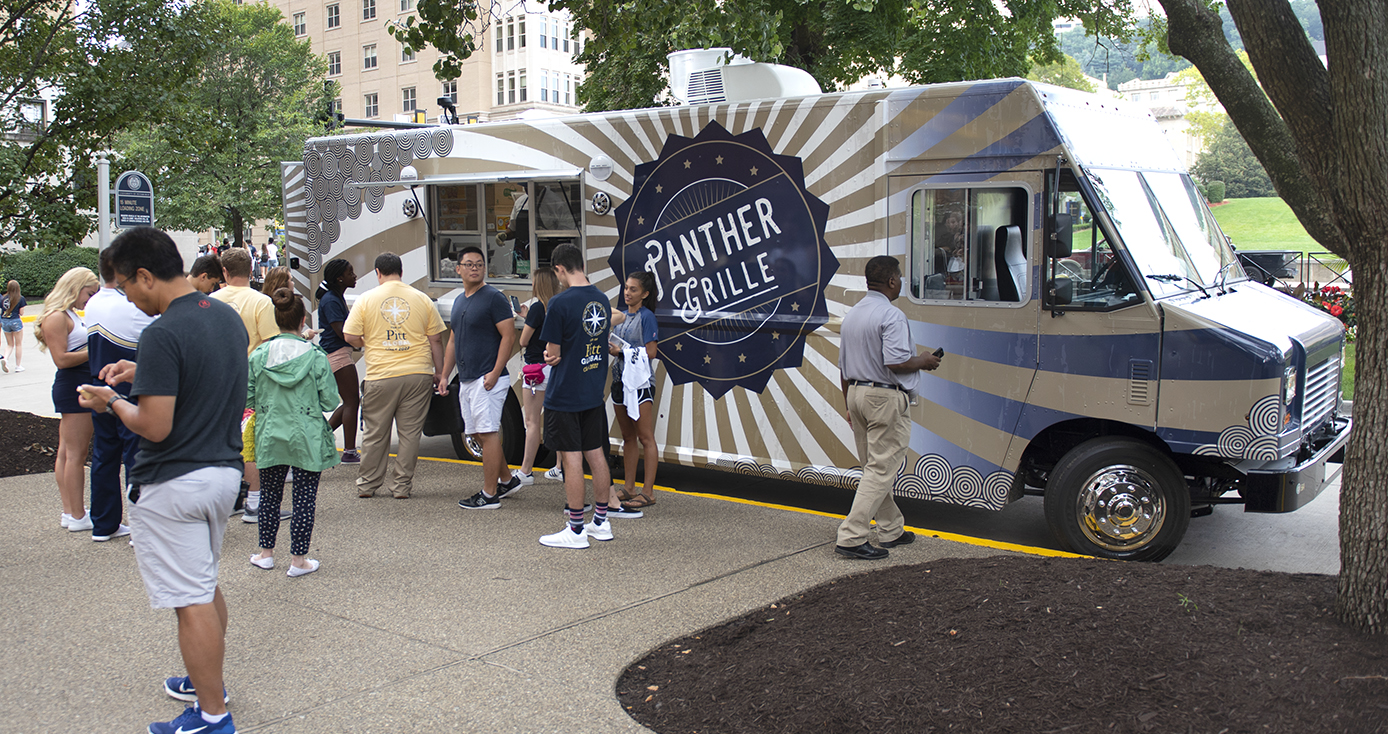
column 623, row 494
column 639, row 501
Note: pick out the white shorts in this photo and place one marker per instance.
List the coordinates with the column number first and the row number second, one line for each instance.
column 481, row 408
column 177, row 527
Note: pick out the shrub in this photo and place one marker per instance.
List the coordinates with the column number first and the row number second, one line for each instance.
column 37, row 270
column 1214, row 192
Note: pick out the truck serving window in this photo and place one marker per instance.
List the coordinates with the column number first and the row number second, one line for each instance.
column 1095, row 277
column 515, row 224
column 969, row 245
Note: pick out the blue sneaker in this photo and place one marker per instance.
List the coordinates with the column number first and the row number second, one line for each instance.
column 182, row 689
column 191, row 722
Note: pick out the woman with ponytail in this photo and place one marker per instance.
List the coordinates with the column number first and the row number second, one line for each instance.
column 290, row 386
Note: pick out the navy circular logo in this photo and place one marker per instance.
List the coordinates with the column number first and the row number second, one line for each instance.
column 736, row 245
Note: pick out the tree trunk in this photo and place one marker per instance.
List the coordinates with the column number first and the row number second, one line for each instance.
column 238, row 226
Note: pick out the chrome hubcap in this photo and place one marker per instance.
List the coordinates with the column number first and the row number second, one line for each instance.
column 1121, row 508
column 474, row 446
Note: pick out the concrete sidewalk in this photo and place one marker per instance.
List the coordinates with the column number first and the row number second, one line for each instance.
column 423, row 615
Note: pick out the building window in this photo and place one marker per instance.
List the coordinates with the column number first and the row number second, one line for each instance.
column 566, row 39
column 373, row 107
column 578, row 35
column 406, row 55
column 568, row 92
column 520, row 30
column 500, row 90
column 334, row 19
column 334, row 63
column 368, row 9
column 554, row 88
column 406, row 6
column 407, row 100
column 510, row 35
column 510, row 87
column 337, row 105
column 544, row 31
column 450, row 90
column 522, row 86
column 499, row 38
column 544, row 85
column 300, row 26
column 368, row 56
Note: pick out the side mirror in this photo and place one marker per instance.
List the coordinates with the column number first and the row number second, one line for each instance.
column 1060, row 292
column 1062, row 233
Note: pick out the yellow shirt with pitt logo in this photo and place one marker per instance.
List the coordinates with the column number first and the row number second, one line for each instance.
column 396, row 321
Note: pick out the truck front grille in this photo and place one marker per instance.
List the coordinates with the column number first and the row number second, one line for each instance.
column 1322, row 392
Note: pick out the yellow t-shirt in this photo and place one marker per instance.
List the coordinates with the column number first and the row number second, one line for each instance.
column 256, row 310
column 396, row 322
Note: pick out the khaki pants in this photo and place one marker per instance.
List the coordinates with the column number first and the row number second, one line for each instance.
column 403, row 401
column 882, row 431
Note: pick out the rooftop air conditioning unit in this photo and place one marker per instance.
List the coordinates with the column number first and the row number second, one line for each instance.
column 707, row 76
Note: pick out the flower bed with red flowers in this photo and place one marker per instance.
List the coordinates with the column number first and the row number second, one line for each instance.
column 1335, row 301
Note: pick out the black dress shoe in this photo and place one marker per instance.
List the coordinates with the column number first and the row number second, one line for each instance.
column 866, row 552
column 905, row 538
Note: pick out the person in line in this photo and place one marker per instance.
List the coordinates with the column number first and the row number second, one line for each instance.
column 632, row 383
column 483, row 337
column 258, row 319
column 272, row 255
column 114, row 326
column 206, row 274
column 400, row 329
column 12, row 324
column 290, row 386
column 879, row 371
column 275, row 279
column 338, row 276
column 544, row 286
column 191, row 386
column 575, row 334
column 63, row 334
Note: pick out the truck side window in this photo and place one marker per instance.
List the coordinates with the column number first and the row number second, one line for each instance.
column 969, row 245
column 515, row 224
column 1098, row 279
column 457, row 225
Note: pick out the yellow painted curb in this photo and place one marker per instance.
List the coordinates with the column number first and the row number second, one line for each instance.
column 955, row 537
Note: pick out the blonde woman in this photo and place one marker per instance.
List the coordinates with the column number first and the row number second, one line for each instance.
column 62, row 334
column 11, row 310
column 544, row 286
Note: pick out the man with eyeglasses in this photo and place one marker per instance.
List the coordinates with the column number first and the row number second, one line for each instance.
column 401, row 333
column 484, row 335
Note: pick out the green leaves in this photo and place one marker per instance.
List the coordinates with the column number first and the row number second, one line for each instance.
column 448, row 26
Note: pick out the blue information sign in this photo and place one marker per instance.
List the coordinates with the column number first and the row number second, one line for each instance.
column 134, row 201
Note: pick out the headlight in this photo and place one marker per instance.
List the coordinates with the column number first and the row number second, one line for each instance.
column 1288, row 393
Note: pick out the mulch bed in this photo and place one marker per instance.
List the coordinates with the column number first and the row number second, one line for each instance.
column 27, row 443
column 1024, row 644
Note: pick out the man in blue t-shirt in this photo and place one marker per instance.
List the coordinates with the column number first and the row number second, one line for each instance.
column 577, row 324
column 191, row 388
column 484, row 335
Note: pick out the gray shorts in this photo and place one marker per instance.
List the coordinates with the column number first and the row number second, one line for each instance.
column 177, row 527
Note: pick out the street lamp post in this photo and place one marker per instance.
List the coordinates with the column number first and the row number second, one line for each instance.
column 103, row 201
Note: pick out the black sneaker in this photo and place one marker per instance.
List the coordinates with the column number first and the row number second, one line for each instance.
column 480, row 501
column 506, row 490
column 626, row 512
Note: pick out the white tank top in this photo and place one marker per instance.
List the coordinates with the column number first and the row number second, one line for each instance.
column 77, row 338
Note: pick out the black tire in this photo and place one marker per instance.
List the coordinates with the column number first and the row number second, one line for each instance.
column 512, row 436
column 1118, row 498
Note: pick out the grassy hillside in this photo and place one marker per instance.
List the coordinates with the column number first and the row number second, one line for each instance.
column 1263, row 224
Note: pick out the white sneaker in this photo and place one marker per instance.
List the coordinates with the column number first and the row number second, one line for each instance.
column 599, row 532
column 4, row 365
column 566, row 538
column 19, row 369
column 121, row 532
column 526, row 479
column 67, row 519
column 77, row 525
column 556, row 474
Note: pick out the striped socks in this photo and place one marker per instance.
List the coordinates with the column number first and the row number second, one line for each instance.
column 575, row 520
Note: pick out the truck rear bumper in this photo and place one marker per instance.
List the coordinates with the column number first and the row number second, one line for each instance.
column 1276, row 488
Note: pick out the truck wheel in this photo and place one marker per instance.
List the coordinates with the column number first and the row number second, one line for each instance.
column 512, row 436
column 1118, row 498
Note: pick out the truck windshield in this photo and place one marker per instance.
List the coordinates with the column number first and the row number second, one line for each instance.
column 1167, row 229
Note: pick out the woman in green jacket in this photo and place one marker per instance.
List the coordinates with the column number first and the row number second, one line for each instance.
column 290, row 387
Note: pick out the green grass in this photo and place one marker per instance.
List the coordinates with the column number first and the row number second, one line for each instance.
column 1263, row 224
column 1347, row 373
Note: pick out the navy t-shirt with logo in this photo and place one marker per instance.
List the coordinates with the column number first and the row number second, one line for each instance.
column 578, row 320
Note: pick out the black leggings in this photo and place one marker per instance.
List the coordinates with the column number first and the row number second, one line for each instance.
column 305, row 498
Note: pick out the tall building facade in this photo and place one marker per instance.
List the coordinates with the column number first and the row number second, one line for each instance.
column 523, row 66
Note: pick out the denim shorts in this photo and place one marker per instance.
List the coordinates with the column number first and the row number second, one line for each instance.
column 12, row 325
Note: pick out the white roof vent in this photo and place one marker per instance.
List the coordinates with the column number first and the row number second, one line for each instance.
column 704, row 76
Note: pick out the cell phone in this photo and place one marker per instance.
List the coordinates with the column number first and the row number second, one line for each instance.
column 940, row 352
column 515, row 304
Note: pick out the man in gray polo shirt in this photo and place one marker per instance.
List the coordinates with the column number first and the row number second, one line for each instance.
column 879, row 371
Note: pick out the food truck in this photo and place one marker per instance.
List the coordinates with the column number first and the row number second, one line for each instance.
column 1103, row 347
